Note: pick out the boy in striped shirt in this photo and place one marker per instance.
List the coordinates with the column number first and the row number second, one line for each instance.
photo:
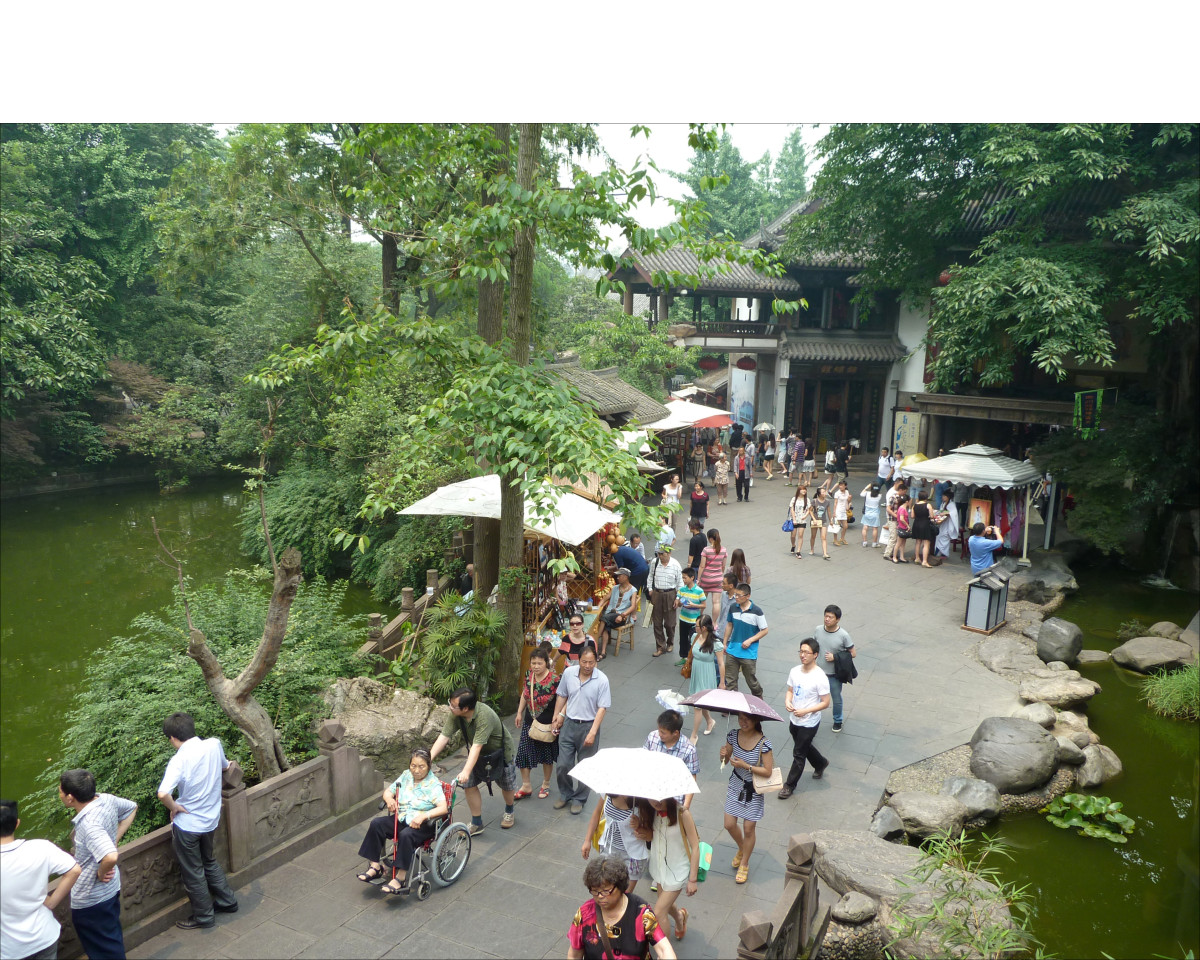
column 691, row 603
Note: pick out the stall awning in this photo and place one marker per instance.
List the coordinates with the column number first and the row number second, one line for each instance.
column 575, row 519
column 684, row 413
column 976, row 464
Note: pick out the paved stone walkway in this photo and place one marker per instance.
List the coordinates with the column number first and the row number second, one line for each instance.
column 916, row 695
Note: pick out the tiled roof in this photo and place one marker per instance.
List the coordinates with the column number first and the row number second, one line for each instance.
column 845, row 350
column 607, row 394
column 772, row 235
column 733, row 278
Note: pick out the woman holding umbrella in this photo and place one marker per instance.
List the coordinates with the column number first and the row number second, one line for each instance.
column 749, row 752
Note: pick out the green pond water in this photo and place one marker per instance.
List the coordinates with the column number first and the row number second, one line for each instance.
column 1140, row 899
column 75, row 569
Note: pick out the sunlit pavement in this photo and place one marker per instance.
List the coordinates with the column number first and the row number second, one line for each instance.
column 916, row 695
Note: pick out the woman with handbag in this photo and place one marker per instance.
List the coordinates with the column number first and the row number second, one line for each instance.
column 903, row 528
column 618, row 838
column 674, row 855
column 797, row 516
column 706, row 671
column 538, row 743
column 614, row 923
column 749, row 753
column 819, row 518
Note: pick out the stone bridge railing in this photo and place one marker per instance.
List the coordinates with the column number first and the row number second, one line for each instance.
column 796, row 925
column 262, row 827
column 390, row 640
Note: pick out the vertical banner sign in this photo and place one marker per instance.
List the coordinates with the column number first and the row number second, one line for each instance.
column 908, row 431
column 1087, row 412
column 741, row 396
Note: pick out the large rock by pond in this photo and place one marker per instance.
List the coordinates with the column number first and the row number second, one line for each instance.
column 1047, row 580
column 1149, row 654
column 1069, row 751
column 1061, row 688
column 886, row 824
column 1100, row 765
column 1013, row 754
column 1059, row 640
column 980, row 798
column 1040, row 713
column 860, row 862
column 1073, row 726
column 1165, row 628
column 385, row 724
column 927, row 814
column 854, row 908
column 1007, row 656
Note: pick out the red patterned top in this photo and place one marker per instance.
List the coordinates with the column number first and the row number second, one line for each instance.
column 544, row 693
column 631, row 937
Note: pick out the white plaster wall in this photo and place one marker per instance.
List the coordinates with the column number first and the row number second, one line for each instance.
column 744, row 309
column 911, row 330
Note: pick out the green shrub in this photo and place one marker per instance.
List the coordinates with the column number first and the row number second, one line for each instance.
column 1132, row 628
column 1175, row 694
column 114, row 727
column 459, row 645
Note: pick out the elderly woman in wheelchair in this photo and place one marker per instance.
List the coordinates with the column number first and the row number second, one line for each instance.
column 414, row 801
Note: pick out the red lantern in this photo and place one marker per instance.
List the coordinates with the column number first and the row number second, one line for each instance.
column 708, row 363
column 943, row 278
column 746, row 363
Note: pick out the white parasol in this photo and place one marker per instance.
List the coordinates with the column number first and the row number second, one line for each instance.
column 575, row 518
column 634, row 772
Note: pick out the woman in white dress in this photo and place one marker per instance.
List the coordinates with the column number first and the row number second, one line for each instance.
column 674, row 855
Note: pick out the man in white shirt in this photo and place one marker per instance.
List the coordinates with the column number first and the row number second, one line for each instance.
column 196, row 771
column 584, row 697
column 807, row 695
column 887, row 464
column 664, row 582
column 28, row 928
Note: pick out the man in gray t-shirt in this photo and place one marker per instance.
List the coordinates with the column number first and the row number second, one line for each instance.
column 833, row 638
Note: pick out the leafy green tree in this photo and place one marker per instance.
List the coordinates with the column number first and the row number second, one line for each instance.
column 734, row 192
column 137, row 680
column 789, row 174
column 1049, row 233
column 645, row 358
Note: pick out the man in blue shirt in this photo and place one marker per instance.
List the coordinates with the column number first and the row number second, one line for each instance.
column 634, row 562
column 746, row 626
column 983, row 544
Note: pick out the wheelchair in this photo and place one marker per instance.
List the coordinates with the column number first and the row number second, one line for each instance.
column 439, row 860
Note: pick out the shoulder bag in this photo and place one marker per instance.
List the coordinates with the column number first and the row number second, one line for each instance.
column 788, row 525
column 540, row 729
column 768, row 784
column 602, row 929
column 686, row 670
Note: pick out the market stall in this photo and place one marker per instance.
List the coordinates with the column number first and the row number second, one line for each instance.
column 675, row 431
column 998, row 480
column 578, row 526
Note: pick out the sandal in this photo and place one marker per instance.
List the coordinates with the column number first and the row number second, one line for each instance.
column 544, row 792
column 389, row 888
column 743, row 873
column 681, row 928
column 523, row 793
column 371, row 874
column 737, row 859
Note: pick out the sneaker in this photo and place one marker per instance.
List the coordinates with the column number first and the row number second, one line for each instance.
column 837, row 726
column 559, row 804
column 577, row 808
column 475, row 829
column 681, row 661
column 507, row 821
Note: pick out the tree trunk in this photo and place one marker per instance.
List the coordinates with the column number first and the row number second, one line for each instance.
column 236, row 696
column 391, row 292
column 490, row 326
column 512, row 506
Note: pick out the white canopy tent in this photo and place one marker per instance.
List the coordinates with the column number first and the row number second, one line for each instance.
column 983, row 467
column 685, row 413
column 637, row 443
column 575, row 519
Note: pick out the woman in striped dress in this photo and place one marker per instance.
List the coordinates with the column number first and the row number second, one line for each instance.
column 750, row 753
column 619, row 839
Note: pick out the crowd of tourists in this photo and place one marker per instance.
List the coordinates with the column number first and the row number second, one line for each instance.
column 706, row 600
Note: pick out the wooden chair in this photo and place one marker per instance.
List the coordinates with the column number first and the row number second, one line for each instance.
column 625, row 632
